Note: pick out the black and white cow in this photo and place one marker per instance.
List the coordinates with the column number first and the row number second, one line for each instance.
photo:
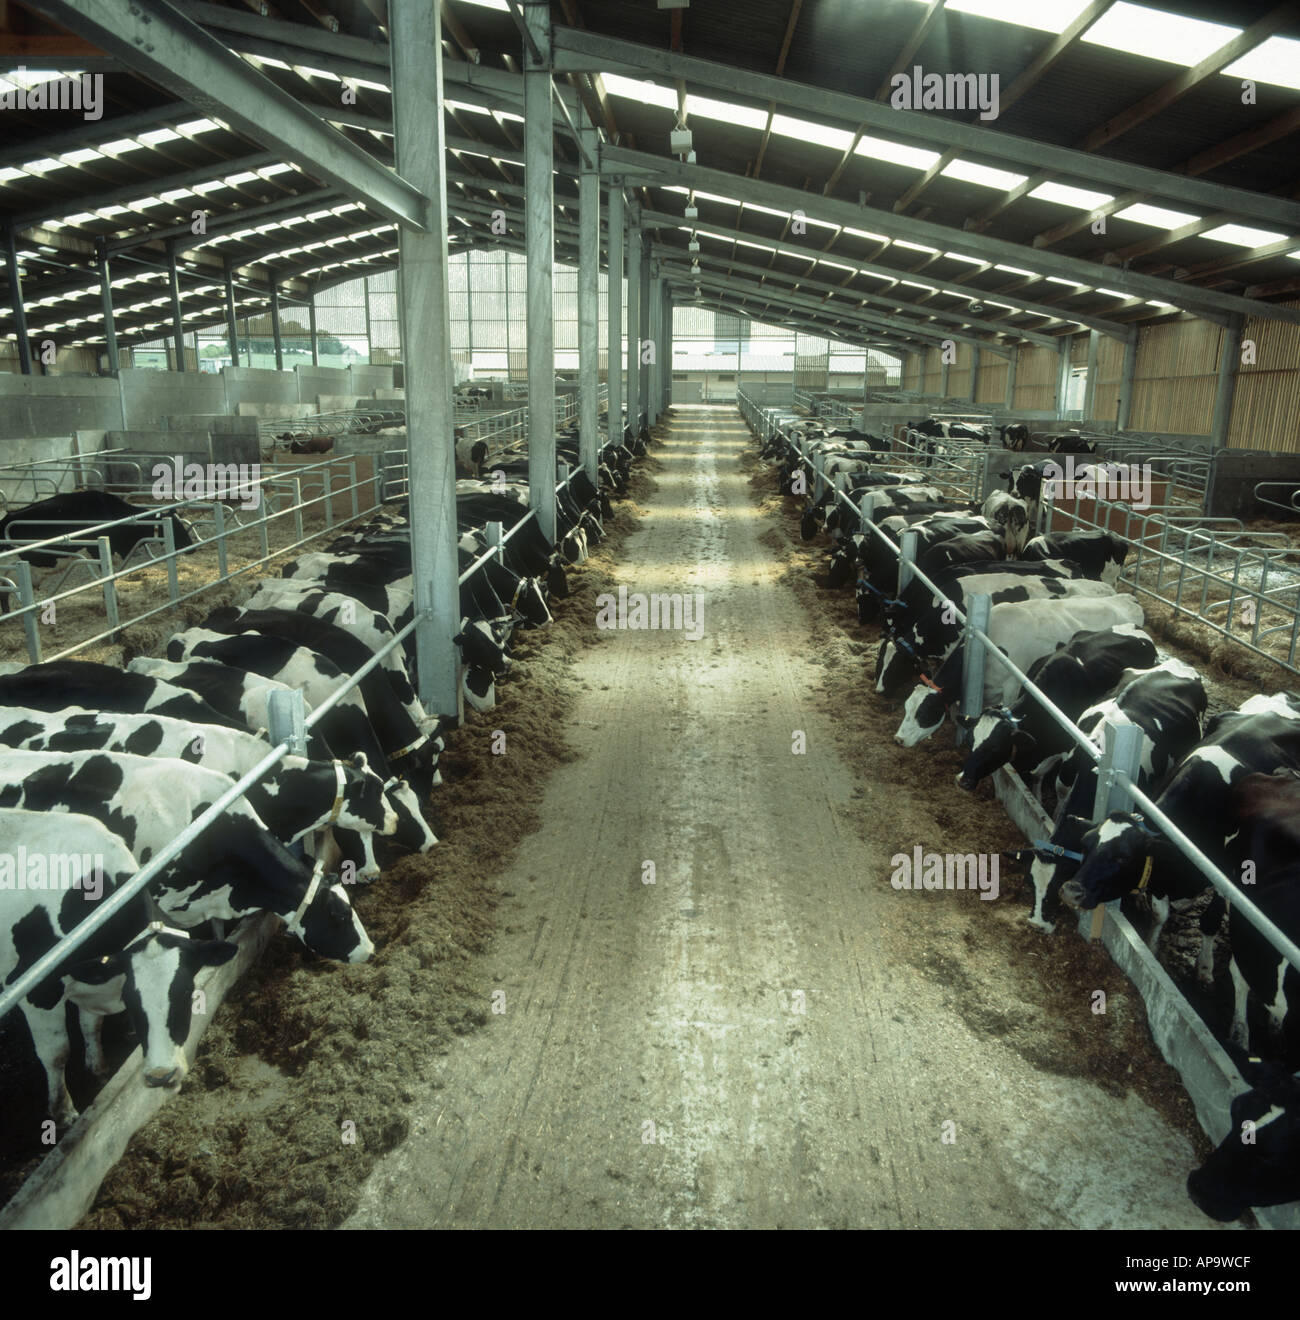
column 878, row 578
column 1010, row 516
column 295, row 799
column 1167, row 703
column 1267, row 811
column 1014, row 435
column 935, row 628
column 1120, row 851
column 1074, row 676
column 963, row 548
column 245, row 695
column 86, row 509
column 58, row 684
column 127, row 965
column 1071, row 442
column 233, row 869
column 1099, row 554
column 1258, row 1162
column 1024, row 632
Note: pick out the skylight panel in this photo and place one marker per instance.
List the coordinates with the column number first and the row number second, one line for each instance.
column 244, row 176
column 1161, row 217
column 1056, row 279
column 1275, row 61
column 643, row 90
column 1052, row 16
column 741, row 116
column 44, row 165
column 961, row 256
column 197, row 126
column 449, row 104
column 895, row 153
column 1067, row 195
column 969, row 172
column 81, row 156
column 1115, row 293
column 8, row 174
column 866, row 233
column 1243, row 235
column 913, row 247
column 839, row 265
column 1013, row 270
column 1171, row 38
column 156, row 136
column 821, row 135
column 912, row 284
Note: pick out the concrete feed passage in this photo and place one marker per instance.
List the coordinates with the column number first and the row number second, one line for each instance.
column 748, row 1041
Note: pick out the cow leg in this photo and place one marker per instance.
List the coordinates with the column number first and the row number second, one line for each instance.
column 92, row 1033
column 49, row 1028
column 1239, row 1033
column 1277, row 1009
column 1160, row 915
column 1040, row 878
column 1211, row 920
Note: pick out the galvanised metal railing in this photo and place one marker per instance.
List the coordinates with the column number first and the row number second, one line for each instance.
column 281, row 496
column 1210, row 569
column 286, row 741
column 1119, row 761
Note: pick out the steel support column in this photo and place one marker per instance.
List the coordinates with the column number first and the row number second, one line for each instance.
column 1229, row 360
column 1090, row 383
column 415, row 43
column 178, row 319
column 275, row 327
column 645, row 335
column 1012, row 361
column 943, row 377
column 588, row 303
column 106, row 307
column 16, row 302
column 1125, row 409
column 539, row 240
column 666, row 349
column 614, row 322
column 1063, row 376
column 634, row 402
column 311, row 326
column 654, row 311
column 232, row 322
column 974, row 372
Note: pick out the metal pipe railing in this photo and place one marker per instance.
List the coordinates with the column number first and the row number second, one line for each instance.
column 1285, row 946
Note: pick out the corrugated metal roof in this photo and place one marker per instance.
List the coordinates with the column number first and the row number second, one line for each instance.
column 837, row 44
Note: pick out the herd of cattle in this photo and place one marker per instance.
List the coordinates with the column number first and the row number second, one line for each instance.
column 1231, row 783
column 108, row 763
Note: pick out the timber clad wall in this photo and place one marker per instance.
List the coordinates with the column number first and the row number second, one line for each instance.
column 991, row 381
column 932, row 378
column 1110, row 367
column 959, row 373
column 1266, row 406
column 1036, row 378
column 1177, row 371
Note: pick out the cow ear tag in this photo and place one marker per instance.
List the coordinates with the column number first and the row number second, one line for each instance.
column 1146, row 874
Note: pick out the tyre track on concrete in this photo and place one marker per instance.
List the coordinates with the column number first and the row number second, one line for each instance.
column 672, row 1004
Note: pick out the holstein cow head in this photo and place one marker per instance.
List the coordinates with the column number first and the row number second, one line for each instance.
column 896, row 666
column 1009, row 516
column 1120, row 854
column 152, row 980
column 996, row 739
column 1258, row 1162
column 1052, row 863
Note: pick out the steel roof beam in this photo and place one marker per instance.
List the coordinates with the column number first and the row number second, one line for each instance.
column 918, row 329
column 581, row 52
column 874, row 296
column 983, row 247
column 154, row 39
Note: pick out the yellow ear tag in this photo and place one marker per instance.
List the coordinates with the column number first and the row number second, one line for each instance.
column 1146, row 874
